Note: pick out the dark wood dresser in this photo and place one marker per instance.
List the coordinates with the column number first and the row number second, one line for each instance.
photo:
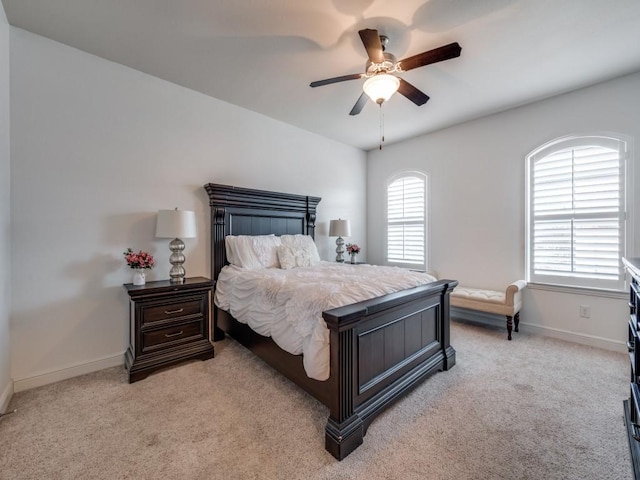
column 169, row 323
column 632, row 406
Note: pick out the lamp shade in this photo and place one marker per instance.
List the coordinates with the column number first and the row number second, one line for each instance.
column 176, row 224
column 339, row 228
column 379, row 88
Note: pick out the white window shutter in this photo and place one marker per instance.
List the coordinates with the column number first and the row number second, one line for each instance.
column 406, row 220
column 577, row 214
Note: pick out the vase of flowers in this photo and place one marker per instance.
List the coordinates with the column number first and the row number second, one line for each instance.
column 353, row 250
column 139, row 277
column 139, row 262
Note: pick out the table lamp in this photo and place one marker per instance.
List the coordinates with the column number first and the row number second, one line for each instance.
column 339, row 228
column 176, row 224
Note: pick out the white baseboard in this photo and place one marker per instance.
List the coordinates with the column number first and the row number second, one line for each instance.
column 5, row 397
column 69, row 372
column 500, row 321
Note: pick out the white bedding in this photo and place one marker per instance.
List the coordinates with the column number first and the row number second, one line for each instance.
column 287, row 305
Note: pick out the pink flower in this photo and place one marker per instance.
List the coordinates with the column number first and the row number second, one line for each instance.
column 138, row 260
column 353, row 248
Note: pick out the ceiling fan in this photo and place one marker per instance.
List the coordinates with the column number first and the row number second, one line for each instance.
column 381, row 84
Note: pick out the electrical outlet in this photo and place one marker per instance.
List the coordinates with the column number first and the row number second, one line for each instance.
column 585, row 311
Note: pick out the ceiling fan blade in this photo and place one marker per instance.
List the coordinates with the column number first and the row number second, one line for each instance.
column 357, row 108
column 371, row 40
column 412, row 93
column 439, row 54
column 328, row 81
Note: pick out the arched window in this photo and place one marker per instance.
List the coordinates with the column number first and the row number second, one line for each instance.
column 576, row 212
column 407, row 220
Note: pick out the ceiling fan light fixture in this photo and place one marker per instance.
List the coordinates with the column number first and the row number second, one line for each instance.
column 381, row 87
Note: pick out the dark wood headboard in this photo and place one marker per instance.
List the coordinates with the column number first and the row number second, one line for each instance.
column 244, row 211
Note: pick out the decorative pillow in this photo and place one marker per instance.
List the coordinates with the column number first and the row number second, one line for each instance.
column 291, row 257
column 252, row 252
column 265, row 248
column 303, row 244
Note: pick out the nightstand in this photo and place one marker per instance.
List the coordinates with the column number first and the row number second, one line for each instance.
column 169, row 323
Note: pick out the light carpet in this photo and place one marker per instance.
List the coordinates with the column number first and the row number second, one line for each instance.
column 532, row 408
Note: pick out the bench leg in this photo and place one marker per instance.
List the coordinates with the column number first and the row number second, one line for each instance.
column 509, row 326
column 517, row 320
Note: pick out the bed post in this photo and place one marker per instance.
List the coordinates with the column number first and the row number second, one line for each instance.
column 344, row 431
column 445, row 322
column 312, row 203
column 218, row 215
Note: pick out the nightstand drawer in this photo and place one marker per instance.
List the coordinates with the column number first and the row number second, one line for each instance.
column 163, row 337
column 169, row 310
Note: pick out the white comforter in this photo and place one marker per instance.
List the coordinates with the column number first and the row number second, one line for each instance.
column 287, row 305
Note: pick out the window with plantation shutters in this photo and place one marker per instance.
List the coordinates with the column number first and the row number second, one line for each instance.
column 406, row 220
column 576, row 210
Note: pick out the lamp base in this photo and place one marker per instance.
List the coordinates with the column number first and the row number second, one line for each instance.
column 340, row 250
column 177, row 272
column 177, row 280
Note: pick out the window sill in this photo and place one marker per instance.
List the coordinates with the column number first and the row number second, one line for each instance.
column 592, row 292
column 407, row 266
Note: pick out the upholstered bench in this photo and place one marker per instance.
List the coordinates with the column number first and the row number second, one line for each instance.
column 506, row 303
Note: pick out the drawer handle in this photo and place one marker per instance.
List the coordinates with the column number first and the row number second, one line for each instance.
column 169, row 312
column 169, row 335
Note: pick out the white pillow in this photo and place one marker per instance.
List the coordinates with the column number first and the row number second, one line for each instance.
column 303, row 245
column 291, row 257
column 228, row 245
column 240, row 252
column 265, row 247
column 252, row 252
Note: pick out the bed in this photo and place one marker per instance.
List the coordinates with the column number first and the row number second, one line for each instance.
column 379, row 348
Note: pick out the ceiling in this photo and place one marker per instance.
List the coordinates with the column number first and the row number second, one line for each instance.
column 262, row 54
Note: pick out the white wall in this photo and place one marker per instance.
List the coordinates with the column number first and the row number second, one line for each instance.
column 6, row 385
column 97, row 149
column 477, row 179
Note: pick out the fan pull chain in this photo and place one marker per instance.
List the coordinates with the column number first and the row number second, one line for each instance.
column 381, row 125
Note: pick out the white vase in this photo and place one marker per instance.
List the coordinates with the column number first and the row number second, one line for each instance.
column 139, row 276
column 353, row 257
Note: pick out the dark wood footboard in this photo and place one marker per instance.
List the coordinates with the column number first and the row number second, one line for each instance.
column 380, row 349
